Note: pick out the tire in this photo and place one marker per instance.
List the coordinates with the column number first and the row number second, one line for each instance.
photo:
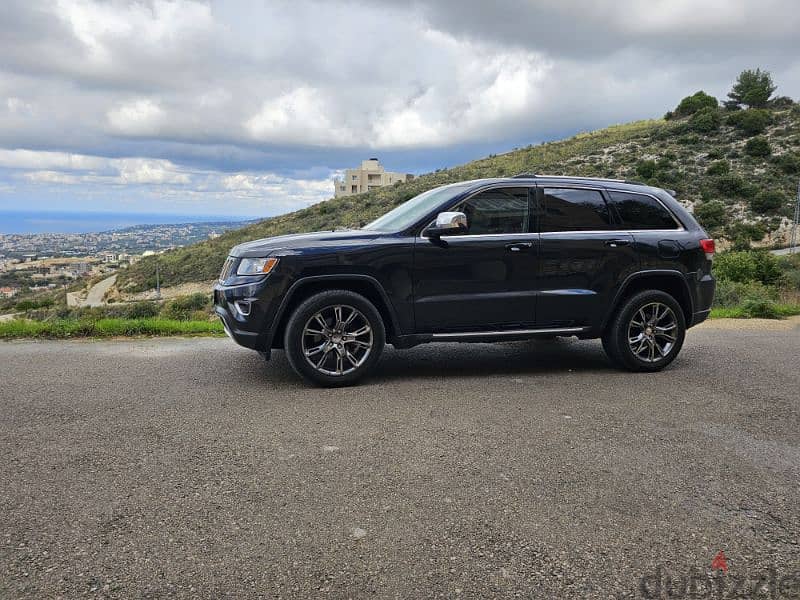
column 646, row 333
column 334, row 338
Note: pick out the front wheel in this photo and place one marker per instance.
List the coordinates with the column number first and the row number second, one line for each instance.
column 647, row 332
column 334, row 338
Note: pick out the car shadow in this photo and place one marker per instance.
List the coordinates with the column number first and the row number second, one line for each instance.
column 506, row 358
column 443, row 360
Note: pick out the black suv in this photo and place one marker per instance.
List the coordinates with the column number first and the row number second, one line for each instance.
column 478, row 261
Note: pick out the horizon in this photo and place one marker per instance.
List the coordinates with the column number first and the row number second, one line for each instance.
column 69, row 222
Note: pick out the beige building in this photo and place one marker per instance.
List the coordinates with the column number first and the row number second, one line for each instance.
column 369, row 176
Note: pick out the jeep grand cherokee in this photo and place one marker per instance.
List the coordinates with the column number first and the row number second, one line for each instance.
column 478, row 261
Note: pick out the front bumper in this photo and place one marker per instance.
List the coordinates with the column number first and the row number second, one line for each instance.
column 251, row 324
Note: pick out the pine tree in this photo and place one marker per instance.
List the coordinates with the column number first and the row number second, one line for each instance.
column 752, row 88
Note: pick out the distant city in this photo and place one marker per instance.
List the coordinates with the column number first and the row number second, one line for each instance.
column 35, row 262
column 131, row 240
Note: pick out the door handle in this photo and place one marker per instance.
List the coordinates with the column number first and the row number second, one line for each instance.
column 615, row 243
column 519, row 246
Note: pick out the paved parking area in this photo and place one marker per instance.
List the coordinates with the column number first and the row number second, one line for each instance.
column 190, row 468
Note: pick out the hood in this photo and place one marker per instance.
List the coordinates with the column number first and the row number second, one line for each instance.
column 319, row 239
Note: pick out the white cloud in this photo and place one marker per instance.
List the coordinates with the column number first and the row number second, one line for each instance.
column 18, row 106
column 138, row 170
column 61, row 167
column 159, row 24
column 206, row 190
column 141, row 116
column 254, row 101
column 51, row 177
column 37, row 159
column 301, row 116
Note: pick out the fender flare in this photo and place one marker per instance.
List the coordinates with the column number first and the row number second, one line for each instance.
column 295, row 288
column 641, row 274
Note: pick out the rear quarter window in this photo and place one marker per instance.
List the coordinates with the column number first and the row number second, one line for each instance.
column 637, row 211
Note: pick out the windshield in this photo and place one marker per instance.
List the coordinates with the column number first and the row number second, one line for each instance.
column 413, row 210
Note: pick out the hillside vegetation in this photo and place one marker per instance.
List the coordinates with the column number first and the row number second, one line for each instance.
column 736, row 169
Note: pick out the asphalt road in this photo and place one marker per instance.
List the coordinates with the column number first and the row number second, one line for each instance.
column 98, row 291
column 189, row 468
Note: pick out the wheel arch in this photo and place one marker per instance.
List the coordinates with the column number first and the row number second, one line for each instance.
column 366, row 285
column 671, row 282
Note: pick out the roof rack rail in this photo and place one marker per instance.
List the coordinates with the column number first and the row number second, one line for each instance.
column 535, row 175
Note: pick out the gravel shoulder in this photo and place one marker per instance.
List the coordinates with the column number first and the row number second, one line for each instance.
column 191, row 468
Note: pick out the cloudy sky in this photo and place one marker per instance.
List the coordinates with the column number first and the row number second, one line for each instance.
column 237, row 107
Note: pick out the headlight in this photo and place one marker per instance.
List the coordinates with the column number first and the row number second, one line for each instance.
column 256, row 266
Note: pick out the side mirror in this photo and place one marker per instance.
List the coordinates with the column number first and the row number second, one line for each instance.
column 448, row 223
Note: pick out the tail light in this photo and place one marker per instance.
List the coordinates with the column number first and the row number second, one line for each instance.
column 708, row 248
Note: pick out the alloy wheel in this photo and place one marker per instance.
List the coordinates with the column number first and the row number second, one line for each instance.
column 652, row 332
column 337, row 340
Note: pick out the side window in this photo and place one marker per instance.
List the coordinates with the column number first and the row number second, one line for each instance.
column 574, row 210
column 641, row 212
column 502, row 210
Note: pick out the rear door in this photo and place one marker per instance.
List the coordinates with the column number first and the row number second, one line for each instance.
column 584, row 256
column 483, row 279
column 661, row 240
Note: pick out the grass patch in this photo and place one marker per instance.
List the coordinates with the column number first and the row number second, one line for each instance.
column 74, row 328
column 742, row 312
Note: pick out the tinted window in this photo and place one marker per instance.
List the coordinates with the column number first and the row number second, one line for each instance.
column 574, row 210
column 641, row 212
column 503, row 210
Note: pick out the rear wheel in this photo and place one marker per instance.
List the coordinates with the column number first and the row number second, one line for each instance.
column 647, row 332
column 334, row 338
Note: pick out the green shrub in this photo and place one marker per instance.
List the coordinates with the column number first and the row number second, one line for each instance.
column 689, row 140
column 25, row 305
column 715, row 154
column 768, row 201
column 710, row 214
column 782, row 102
column 788, row 163
column 705, row 120
column 747, row 266
column 646, row 169
column 733, row 293
column 720, row 167
column 758, row 146
column 742, row 237
column 790, row 271
column 750, row 122
column 185, row 308
column 760, row 309
column 695, row 103
column 731, row 185
column 139, row 310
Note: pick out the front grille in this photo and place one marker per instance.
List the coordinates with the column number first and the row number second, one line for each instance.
column 227, row 268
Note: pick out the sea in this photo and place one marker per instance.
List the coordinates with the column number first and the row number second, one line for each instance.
column 86, row 222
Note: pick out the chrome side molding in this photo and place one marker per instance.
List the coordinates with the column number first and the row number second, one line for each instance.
column 507, row 333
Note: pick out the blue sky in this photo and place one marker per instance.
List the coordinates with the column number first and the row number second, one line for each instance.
column 250, row 108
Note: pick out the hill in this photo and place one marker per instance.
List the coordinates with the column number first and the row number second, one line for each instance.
column 737, row 170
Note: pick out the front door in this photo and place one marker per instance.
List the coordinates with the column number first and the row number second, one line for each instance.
column 583, row 257
column 485, row 278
